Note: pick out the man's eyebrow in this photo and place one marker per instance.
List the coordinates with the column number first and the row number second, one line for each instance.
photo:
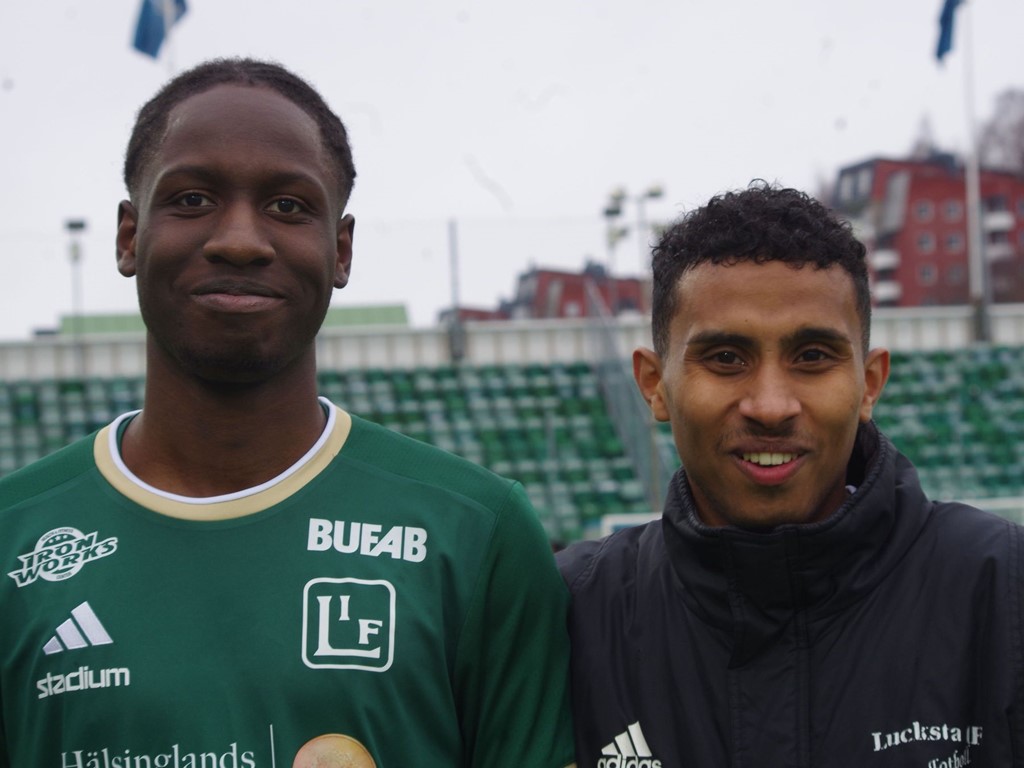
column 719, row 338
column 193, row 171
column 211, row 174
column 813, row 333
column 804, row 335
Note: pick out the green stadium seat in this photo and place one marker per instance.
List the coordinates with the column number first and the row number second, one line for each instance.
column 959, row 415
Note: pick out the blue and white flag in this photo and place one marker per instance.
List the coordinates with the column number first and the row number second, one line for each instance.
column 152, row 29
column 946, row 28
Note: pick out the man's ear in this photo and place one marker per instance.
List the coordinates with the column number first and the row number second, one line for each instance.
column 127, row 228
column 876, row 373
column 343, row 266
column 647, row 372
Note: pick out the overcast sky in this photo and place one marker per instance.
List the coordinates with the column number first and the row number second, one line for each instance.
column 516, row 119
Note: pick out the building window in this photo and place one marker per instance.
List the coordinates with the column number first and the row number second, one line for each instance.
column 926, row 242
column 527, row 288
column 955, row 275
column 553, row 300
column 997, row 203
column 846, row 188
column 954, row 242
column 864, row 182
column 924, row 210
column 885, row 275
column 1020, row 206
column 953, row 210
column 926, row 274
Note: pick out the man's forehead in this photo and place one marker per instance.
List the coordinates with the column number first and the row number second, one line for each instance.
column 756, row 298
column 792, row 279
column 257, row 109
column 208, row 124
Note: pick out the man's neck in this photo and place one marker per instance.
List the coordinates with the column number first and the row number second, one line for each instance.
column 197, row 439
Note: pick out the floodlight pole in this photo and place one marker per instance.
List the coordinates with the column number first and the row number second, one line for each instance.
column 612, row 211
column 977, row 263
column 456, row 330
column 75, row 228
column 170, row 14
column 653, row 192
column 613, row 233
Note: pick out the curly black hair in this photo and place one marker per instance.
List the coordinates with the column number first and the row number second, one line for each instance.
column 760, row 223
column 151, row 122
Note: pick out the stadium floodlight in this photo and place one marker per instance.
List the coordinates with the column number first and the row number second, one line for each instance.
column 74, row 228
column 615, row 200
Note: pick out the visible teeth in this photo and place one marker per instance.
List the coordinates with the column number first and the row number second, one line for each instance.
column 769, row 459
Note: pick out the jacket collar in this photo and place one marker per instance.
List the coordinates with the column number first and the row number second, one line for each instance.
column 754, row 584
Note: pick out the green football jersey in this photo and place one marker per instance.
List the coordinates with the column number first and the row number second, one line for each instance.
column 382, row 603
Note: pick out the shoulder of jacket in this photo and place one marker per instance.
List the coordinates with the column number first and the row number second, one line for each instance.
column 967, row 527
column 608, row 558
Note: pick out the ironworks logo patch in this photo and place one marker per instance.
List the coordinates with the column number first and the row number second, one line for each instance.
column 60, row 554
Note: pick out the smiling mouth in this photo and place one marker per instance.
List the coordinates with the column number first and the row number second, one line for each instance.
column 234, row 303
column 767, row 459
column 235, row 288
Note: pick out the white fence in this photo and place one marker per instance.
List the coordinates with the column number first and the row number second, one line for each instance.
column 503, row 343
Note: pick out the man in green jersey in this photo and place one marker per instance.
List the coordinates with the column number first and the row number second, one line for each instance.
column 242, row 574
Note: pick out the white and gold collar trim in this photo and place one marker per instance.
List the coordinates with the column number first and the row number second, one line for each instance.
column 246, row 502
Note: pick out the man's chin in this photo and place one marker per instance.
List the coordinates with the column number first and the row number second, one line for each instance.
column 771, row 517
column 765, row 517
column 235, row 367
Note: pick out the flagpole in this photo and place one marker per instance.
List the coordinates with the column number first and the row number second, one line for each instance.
column 980, row 288
column 169, row 13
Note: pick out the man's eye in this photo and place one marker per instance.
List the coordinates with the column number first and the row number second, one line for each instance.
column 194, row 200
column 813, row 355
column 286, row 205
column 724, row 362
column 726, row 358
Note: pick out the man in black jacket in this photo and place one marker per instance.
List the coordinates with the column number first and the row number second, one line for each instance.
column 801, row 602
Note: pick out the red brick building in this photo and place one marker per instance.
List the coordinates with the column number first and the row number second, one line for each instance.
column 549, row 293
column 912, row 216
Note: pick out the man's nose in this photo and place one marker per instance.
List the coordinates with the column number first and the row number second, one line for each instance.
column 771, row 398
column 239, row 237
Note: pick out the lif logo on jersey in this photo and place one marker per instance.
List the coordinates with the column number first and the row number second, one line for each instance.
column 60, row 554
column 348, row 624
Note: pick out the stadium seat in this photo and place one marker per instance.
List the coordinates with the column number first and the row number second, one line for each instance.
column 958, row 414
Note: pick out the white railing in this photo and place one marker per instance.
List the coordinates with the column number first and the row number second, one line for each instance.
column 501, row 343
column 884, row 258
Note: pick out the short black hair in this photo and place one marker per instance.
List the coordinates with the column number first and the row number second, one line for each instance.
column 151, row 122
column 761, row 223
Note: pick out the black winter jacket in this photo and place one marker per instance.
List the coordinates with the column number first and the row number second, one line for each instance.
column 887, row 635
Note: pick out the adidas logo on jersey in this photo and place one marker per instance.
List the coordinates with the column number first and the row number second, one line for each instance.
column 82, row 630
column 628, row 750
